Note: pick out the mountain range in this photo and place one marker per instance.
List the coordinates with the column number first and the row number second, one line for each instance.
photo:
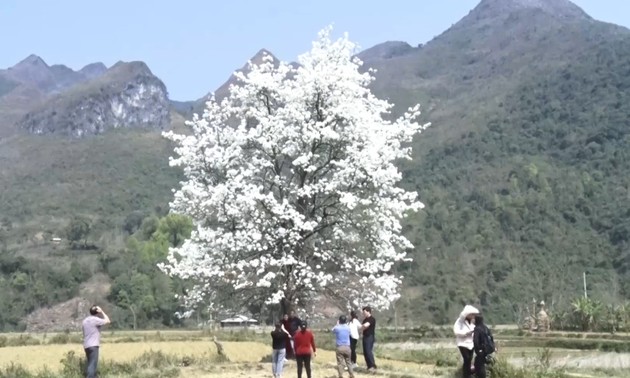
column 525, row 171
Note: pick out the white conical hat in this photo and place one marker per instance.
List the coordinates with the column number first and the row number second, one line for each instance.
column 468, row 309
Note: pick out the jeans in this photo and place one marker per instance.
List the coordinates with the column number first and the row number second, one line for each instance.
column 277, row 361
column 303, row 361
column 480, row 366
column 92, row 361
column 368, row 351
column 467, row 355
column 343, row 360
column 353, row 350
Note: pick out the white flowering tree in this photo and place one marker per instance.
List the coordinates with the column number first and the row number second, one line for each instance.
column 292, row 185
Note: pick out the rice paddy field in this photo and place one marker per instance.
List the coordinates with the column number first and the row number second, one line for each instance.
column 194, row 354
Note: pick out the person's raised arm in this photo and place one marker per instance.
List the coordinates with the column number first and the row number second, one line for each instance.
column 106, row 319
column 333, row 328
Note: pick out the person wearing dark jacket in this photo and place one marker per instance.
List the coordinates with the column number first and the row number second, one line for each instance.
column 278, row 343
column 291, row 323
column 481, row 347
column 369, row 337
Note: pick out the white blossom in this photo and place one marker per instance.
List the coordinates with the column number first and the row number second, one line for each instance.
column 291, row 184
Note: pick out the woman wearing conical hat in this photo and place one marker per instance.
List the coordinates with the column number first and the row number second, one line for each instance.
column 463, row 328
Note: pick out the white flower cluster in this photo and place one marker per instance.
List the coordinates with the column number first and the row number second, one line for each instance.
column 291, row 183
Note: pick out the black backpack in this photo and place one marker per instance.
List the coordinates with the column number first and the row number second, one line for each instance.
column 488, row 343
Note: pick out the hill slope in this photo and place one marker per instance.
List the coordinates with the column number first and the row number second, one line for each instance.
column 524, row 172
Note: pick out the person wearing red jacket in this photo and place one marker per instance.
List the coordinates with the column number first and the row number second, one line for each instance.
column 304, row 343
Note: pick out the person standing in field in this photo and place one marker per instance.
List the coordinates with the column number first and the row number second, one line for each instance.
column 369, row 337
column 304, row 342
column 355, row 326
column 279, row 338
column 286, row 326
column 292, row 324
column 92, row 338
column 342, row 344
column 464, row 328
column 484, row 346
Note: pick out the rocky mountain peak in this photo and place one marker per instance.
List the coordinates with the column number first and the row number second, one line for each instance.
column 30, row 62
column 127, row 95
column 93, row 70
column 260, row 55
column 224, row 89
column 32, row 70
column 129, row 69
column 385, row 50
column 35, row 72
column 560, row 9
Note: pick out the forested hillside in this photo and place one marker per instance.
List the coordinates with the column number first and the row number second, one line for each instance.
column 525, row 174
column 538, row 195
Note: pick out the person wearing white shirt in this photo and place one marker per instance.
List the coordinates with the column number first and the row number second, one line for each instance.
column 355, row 326
column 464, row 328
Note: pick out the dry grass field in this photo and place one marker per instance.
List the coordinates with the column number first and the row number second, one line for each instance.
column 246, row 358
column 194, row 354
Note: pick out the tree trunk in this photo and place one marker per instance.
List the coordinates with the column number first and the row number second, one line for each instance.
column 395, row 317
column 133, row 313
column 285, row 306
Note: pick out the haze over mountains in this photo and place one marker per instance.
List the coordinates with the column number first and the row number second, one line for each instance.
column 34, row 71
column 525, row 171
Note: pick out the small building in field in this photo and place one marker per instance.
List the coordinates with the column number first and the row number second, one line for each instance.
column 238, row 321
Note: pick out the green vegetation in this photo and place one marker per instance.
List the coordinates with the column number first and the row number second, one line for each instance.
column 103, row 178
column 78, row 231
column 539, row 367
column 92, row 195
column 520, row 208
column 138, row 285
column 144, row 295
column 516, row 209
column 26, row 285
column 525, row 174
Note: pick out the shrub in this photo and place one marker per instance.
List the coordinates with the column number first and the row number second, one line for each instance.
column 64, row 338
column 15, row 370
column 22, row 340
column 540, row 367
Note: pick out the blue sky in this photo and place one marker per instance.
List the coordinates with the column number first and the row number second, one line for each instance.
column 193, row 46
